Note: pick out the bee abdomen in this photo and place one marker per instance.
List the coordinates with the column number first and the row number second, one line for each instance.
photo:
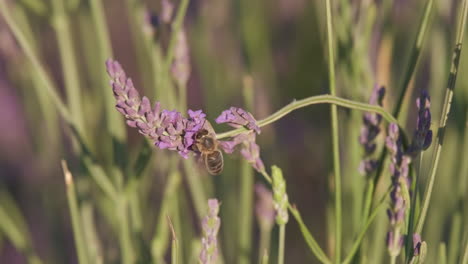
column 214, row 162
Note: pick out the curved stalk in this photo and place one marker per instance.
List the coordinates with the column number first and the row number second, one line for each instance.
column 318, row 99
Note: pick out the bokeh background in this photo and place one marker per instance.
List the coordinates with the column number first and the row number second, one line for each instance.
column 259, row 55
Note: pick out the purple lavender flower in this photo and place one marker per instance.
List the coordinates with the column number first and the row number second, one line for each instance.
column 167, row 129
column 369, row 132
column 399, row 194
column 210, row 226
column 423, row 135
column 264, row 207
column 237, row 117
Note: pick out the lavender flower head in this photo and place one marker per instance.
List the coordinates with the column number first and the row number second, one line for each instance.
column 237, row 117
column 210, row 226
column 423, row 135
column 170, row 130
column 369, row 132
column 399, row 194
column 167, row 129
column 264, row 207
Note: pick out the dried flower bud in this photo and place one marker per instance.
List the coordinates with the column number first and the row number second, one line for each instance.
column 210, row 226
column 280, row 196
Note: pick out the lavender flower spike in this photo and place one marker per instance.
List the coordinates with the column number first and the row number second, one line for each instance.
column 237, row 117
column 210, row 226
column 423, row 135
column 399, row 194
column 167, row 129
column 369, row 132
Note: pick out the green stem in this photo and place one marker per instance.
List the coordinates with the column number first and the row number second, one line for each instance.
column 357, row 243
column 412, row 215
column 443, row 118
column 264, row 247
column 282, row 234
column 176, row 27
column 310, row 240
column 69, row 62
column 335, row 136
column 246, row 195
column 75, row 216
column 124, row 232
column 195, row 188
column 114, row 122
column 318, row 99
column 246, row 209
column 465, row 254
column 414, row 57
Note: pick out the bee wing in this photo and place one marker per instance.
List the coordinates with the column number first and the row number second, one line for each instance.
column 207, row 125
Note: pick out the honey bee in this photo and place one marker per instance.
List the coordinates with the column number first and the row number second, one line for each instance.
column 207, row 145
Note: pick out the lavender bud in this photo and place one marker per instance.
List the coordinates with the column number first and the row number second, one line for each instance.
column 369, row 132
column 422, row 138
column 280, row 196
column 210, row 226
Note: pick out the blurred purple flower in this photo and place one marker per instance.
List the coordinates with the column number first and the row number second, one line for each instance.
column 167, row 129
column 210, row 226
column 167, row 9
column 369, row 132
column 423, row 135
column 399, row 194
column 181, row 66
column 237, row 117
column 264, row 207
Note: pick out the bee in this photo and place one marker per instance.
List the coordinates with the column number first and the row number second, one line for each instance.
column 207, row 145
